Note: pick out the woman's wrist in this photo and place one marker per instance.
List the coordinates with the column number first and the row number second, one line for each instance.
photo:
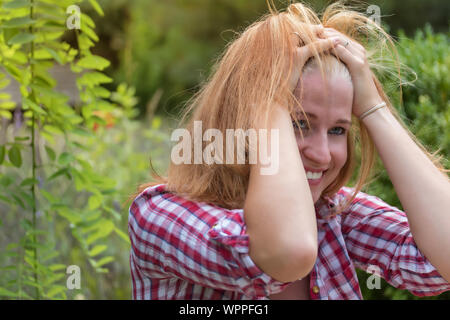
column 372, row 110
column 382, row 114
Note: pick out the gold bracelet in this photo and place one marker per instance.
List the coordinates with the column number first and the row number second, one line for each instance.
column 373, row 109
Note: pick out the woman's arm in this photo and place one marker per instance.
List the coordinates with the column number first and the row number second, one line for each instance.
column 422, row 189
column 279, row 211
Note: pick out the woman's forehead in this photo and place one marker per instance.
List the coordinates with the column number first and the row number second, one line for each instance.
column 333, row 95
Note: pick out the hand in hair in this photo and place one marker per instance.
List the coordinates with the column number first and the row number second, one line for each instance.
column 303, row 53
column 365, row 93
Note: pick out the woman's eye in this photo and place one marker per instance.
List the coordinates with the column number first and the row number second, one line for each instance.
column 302, row 124
column 339, row 131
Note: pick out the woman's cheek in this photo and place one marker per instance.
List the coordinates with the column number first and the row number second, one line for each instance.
column 340, row 154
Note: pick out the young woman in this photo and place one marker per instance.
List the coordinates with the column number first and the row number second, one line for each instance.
column 226, row 231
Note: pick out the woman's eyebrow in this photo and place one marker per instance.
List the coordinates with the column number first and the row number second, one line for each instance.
column 312, row 115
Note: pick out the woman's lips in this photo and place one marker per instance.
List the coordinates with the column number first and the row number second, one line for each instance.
column 315, row 182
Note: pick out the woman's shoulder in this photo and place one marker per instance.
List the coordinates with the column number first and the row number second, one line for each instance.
column 366, row 204
column 346, row 193
column 157, row 202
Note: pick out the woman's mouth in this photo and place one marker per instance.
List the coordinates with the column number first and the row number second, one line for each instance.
column 314, row 178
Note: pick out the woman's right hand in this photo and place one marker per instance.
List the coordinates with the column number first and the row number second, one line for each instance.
column 303, row 53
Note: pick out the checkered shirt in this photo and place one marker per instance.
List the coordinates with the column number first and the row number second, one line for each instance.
column 182, row 249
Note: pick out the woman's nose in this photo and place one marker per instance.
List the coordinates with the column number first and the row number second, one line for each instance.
column 317, row 151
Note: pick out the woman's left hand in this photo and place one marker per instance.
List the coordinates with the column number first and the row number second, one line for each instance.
column 365, row 94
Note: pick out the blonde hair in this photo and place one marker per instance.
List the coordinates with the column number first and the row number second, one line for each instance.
column 249, row 80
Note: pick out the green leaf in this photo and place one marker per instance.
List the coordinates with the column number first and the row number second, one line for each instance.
column 15, row 156
column 56, row 290
column 16, row 4
column 21, row 138
column 3, row 82
column 8, row 105
column 65, row 158
column 5, row 199
column 6, row 181
column 92, row 79
column 101, row 92
column 97, row 7
column 82, row 132
column 29, row 182
column 122, row 234
column 156, row 123
column 6, row 293
column 13, row 71
column 18, row 22
column 105, row 227
column 5, row 114
column 94, row 202
column 33, row 106
column 21, row 38
column 104, row 261
column 5, row 96
column 57, row 267
column 69, row 215
column 18, row 201
column 93, row 62
column 51, row 153
column 58, row 173
column 2, row 153
column 97, row 250
column 53, row 129
column 50, row 198
column 54, row 54
column 28, row 198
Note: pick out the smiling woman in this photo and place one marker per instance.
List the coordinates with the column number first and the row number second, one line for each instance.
column 226, row 231
column 323, row 141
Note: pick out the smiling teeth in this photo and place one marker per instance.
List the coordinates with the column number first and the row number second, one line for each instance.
column 313, row 175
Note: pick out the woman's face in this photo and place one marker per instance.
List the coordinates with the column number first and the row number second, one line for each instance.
column 323, row 149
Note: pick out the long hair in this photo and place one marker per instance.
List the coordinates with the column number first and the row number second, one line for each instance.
column 250, row 78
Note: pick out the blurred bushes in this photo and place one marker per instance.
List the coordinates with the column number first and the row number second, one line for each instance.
column 171, row 45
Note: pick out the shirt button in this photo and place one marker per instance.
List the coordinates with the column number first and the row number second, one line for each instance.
column 315, row 289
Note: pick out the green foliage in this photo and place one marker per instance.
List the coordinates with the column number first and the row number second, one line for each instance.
column 170, row 45
column 42, row 162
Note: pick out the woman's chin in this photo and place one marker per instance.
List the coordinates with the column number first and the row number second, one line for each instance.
column 316, row 197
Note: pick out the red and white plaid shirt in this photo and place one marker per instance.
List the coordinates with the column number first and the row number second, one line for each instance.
column 182, row 249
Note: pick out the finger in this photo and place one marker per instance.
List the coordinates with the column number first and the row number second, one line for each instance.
column 345, row 55
column 318, row 46
column 352, row 46
column 317, row 30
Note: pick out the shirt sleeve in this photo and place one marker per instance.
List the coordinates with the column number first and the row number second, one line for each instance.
column 199, row 243
column 378, row 237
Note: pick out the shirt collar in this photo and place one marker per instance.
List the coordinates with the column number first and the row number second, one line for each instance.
column 325, row 206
